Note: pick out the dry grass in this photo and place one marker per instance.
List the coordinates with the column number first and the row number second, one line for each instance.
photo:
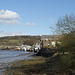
column 40, row 66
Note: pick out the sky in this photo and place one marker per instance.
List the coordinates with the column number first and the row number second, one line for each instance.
column 32, row 17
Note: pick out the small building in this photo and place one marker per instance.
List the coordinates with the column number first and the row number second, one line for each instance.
column 53, row 43
column 25, row 47
column 49, row 40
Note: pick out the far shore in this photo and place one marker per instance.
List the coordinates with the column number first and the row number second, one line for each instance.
column 7, row 49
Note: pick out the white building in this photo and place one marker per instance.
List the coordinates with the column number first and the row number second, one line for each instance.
column 26, row 47
column 53, row 43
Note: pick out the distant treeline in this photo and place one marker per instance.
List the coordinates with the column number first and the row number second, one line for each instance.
column 19, row 40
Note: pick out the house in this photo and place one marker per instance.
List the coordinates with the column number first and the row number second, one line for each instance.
column 25, row 47
column 49, row 40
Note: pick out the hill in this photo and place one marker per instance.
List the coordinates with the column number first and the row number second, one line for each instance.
column 19, row 40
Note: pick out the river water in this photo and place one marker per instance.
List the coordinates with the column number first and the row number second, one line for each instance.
column 7, row 57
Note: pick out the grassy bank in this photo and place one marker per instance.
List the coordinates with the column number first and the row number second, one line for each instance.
column 44, row 66
column 56, row 64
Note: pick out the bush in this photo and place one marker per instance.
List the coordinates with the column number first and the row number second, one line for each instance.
column 67, row 64
column 45, row 52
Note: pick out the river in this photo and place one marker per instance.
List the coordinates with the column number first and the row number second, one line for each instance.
column 7, row 57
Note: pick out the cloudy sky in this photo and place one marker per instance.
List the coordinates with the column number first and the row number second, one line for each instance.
column 32, row 17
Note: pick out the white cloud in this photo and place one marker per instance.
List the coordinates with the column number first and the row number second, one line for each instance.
column 29, row 23
column 5, row 33
column 9, row 17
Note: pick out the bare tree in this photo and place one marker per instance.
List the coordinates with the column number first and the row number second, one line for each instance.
column 66, row 27
column 66, row 24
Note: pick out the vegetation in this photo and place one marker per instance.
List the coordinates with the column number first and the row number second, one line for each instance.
column 66, row 27
column 30, row 42
column 19, row 40
column 66, row 24
column 46, row 52
column 55, row 65
column 68, row 43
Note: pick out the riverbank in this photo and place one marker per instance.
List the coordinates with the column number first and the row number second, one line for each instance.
column 45, row 62
column 41, row 66
column 8, row 57
column 19, row 67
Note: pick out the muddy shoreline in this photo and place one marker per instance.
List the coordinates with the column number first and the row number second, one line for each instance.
column 5, row 65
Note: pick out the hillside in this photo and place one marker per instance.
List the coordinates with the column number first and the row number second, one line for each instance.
column 19, row 40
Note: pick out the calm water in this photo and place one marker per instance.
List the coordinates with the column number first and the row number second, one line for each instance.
column 10, row 56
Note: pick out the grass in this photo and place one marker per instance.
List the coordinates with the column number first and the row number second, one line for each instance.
column 25, row 66
column 57, row 64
